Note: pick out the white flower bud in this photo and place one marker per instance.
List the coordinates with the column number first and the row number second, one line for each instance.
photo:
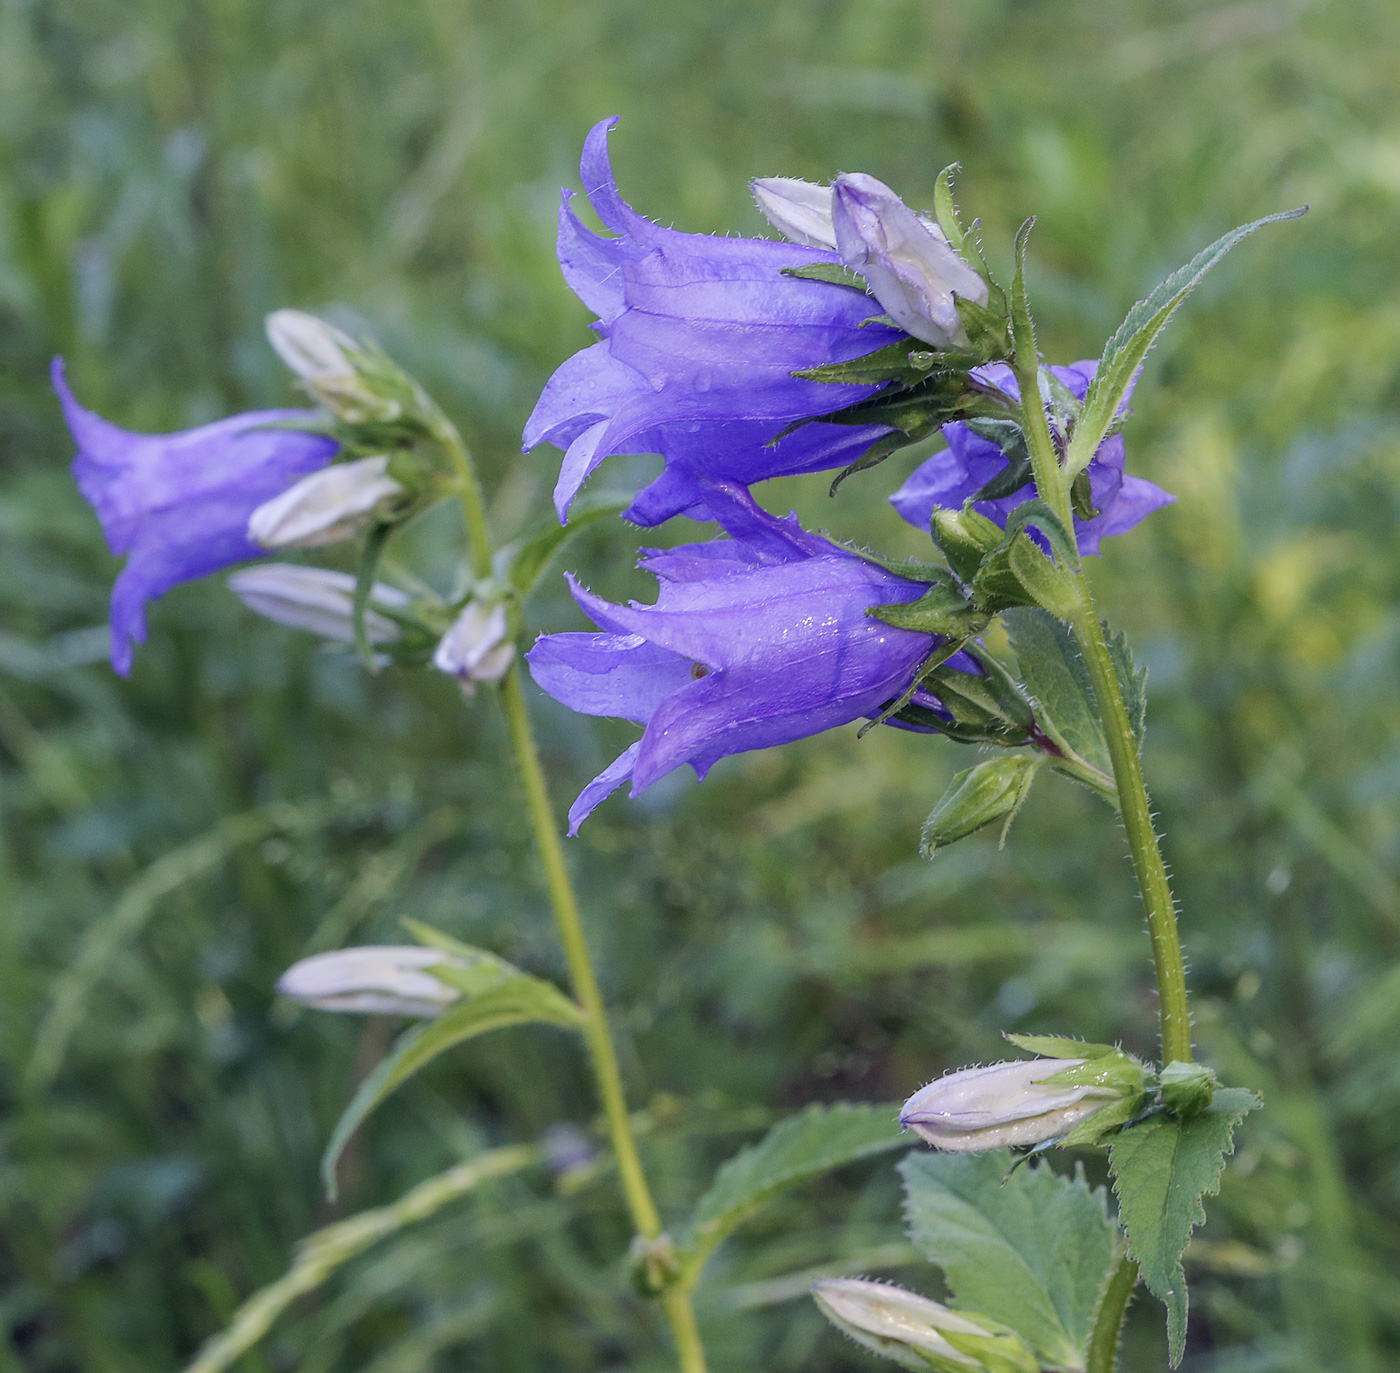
column 315, row 599
column 313, row 349
column 332, row 504
column 1007, row 1103
column 911, row 270
column 799, row 210
column 476, row 649
column 380, row 979
column 913, row 1330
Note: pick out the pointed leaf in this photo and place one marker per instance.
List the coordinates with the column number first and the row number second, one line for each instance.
column 801, row 1147
column 1060, row 1046
column 945, row 208
column 1162, row 1168
column 518, row 1000
column 833, row 273
column 1054, row 672
column 1030, row 1251
column 1125, row 351
column 523, row 564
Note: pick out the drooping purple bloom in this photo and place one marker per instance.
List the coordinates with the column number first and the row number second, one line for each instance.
column 178, row 504
column 949, row 478
column 699, row 338
column 755, row 640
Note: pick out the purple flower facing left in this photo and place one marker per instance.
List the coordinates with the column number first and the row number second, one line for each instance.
column 754, row 640
column 177, row 505
column 699, row 340
column 949, row 478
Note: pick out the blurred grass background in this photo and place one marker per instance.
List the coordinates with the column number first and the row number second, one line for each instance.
column 171, row 172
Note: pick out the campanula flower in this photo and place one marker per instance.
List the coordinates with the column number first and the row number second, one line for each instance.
column 377, row 979
column 477, row 648
column 316, row 599
column 332, row 504
column 699, row 337
column 970, row 461
column 178, row 504
column 911, row 268
column 1006, row 1103
column 755, row 640
column 917, row 1332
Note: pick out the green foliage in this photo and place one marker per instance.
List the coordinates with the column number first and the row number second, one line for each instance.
column 795, row 1150
column 525, row 562
column 1031, row 1249
column 1162, row 1170
column 1123, row 354
column 495, row 996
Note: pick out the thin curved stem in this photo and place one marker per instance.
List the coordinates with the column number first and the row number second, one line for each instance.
column 1109, row 1313
column 597, row 1033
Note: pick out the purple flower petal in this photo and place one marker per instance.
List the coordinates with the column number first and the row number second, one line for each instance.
column 178, row 504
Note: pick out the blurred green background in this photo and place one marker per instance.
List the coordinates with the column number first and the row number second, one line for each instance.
column 173, row 171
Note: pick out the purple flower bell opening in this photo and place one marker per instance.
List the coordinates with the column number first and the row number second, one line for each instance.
column 177, row 505
column 755, row 640
column 699, row 338
column 949, row 478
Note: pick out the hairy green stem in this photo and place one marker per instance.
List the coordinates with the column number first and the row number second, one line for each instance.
column 1136, row 811
column 1109, row 1313
column 597, row 1033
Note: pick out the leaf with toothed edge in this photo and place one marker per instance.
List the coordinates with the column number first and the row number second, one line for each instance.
column 1162, row 1169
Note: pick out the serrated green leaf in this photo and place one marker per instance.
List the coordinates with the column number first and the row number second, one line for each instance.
column 518, row 999
column 1125, row 351
column 1030, row 1252
column 522, row 564
column 1058, row 680
column 1162, row 1168
column 833, row 273
column 977, row 797
column 801, row 1147
column 1132, row 679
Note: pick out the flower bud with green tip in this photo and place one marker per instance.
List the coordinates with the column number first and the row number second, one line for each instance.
column 1187, row 1088
column 379, row 979
column 918, row 1333
column 976, row 1109
column 328, row 506
column 477, row 648
column 318, row 600
column 353, row 385
column 965, row 537
column 993, row 790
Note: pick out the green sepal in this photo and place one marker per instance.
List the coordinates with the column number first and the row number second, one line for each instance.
column 833, row 273
column 945, row 208
column 943, row 609
column 1187, row 1088
column 976, row 797
column 906, row 360
column 1081, row 497
column 987, row 331
column 1048, row 584
column 1117, row 1072
column 1095, row 1128
column 1036, row 512
column 1060, row 1046
column 979, row 708
column 373, row 549
column 1001, row 1350
column 1007, row 436
column 964, row 537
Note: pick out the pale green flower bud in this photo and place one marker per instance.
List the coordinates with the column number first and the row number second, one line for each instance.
column 799, row 210
column 379, row 979
column 476, row 648
column 1007, row 1103
column 918, row 1333
column 313, row 349
column 332, row 504
column 315, row 599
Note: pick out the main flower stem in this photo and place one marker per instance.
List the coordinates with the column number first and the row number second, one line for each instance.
column 1136, row 810
column 596, row 1031
column 1133, row 803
